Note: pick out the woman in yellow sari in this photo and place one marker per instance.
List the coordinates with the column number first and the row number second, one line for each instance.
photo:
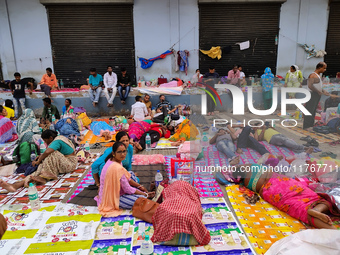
column 186, row 131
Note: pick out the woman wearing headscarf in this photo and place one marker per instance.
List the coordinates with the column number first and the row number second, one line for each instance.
column 27, row 126
column 267, row 80
column 293, row 79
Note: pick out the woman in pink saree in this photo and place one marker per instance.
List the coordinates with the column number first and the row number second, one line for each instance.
column 288, row 195
column 137, row 129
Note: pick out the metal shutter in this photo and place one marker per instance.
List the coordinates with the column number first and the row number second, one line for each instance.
column 227, row 24
column 85, row 36
column 333, row 40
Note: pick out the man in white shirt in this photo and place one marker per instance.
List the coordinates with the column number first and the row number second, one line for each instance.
column 138, row 110
column 110, row 82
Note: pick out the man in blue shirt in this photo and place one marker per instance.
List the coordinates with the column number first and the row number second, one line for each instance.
column 96, row 83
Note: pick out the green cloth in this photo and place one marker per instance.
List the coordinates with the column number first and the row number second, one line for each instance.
column 267, row 99
column 62, row 147
column 256, row 172
column 148, row 121
column 49, row 111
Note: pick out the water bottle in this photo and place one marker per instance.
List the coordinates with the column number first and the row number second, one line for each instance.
column 52, row 127
column 211, row 130
column 33, row 156
column 158, row 178
column 147, row 246
column 205, row 142
column 42, row 148
column 33, row 197
column 53, row 118
column 61, row 84
column 148, row 142
column 87, row 146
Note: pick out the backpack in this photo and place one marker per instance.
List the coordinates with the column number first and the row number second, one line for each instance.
column 22, row 153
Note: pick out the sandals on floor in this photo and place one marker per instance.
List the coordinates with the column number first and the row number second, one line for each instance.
column 328, row 154
column 96, row 146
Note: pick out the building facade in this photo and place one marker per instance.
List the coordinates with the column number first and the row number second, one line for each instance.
column 73, row 36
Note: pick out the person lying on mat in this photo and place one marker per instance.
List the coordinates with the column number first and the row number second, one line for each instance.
column 288, row 195
column 102, row 129
column 186, row 131
column 224, row 143
column 156, row 132
column 98, row 165
column 272, row 136
column 59, row 158
column 117, row 190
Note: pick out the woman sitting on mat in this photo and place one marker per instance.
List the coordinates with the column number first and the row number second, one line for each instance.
column 98, row 165
column 185, row 131
column 7, row 129
column 102, row 129
column 118, row 190
column 68, row 108
column 288, row 195
column 59, row 158
column 28, row 127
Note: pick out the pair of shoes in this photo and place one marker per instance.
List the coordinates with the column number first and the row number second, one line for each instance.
column 312, row 142
column 328, row 154
column 306, row 138
column 96, row 146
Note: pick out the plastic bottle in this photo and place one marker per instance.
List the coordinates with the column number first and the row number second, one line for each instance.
column 33, row 155
column 158, row 178
column 87, row 146
column 52, row 127
column 148, row 142
column 61, row 84
column 211, row 130
column 147, row 246
column 205, row 142
column 300, row 115
column 53, row 118
column 33, row 197
column 42, row 148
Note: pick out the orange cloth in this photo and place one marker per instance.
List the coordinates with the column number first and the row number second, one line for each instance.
column 49, row 80
column 109, row 200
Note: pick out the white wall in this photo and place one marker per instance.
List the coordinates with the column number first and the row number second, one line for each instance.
column 31, row 40
column 160, row 24
column 301, row 21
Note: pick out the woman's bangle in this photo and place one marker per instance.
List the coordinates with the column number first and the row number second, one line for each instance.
column 139, row 186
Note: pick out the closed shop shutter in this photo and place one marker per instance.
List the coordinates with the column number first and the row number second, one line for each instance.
column 85, row 36
column 333, row 40
column 227, row 24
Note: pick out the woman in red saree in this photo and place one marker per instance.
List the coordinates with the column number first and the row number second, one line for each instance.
column 288, row 195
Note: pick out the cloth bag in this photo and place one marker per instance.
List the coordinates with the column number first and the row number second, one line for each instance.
column 144, row 209
column 162, row 80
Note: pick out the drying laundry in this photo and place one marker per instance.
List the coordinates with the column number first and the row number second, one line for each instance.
column 214, row 52
column 244, row 45
column 147, row 63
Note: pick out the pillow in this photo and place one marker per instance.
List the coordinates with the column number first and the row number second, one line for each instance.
column 148, row 159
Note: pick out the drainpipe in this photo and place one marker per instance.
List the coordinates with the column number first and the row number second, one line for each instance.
column 10, row 31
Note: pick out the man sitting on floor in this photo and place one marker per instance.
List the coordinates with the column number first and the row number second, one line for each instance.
column 147, row 103
column 332, row 101
column 163, row 102
column 273, row 137
column 50, row 110
column 138, row 110
column 224, row 143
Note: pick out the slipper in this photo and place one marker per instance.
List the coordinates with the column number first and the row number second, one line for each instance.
column 334, row 143
column 306, row 138
column 316, row 149
column 328, row 154
column 92, row 187
column 96, row 146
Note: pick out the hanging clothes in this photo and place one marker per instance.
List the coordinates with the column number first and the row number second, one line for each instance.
column 214, row 52
column 175, row 53
column 147, row 63
column 184, row 62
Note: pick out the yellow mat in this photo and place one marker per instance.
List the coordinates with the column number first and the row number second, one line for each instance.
column 263, row 223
